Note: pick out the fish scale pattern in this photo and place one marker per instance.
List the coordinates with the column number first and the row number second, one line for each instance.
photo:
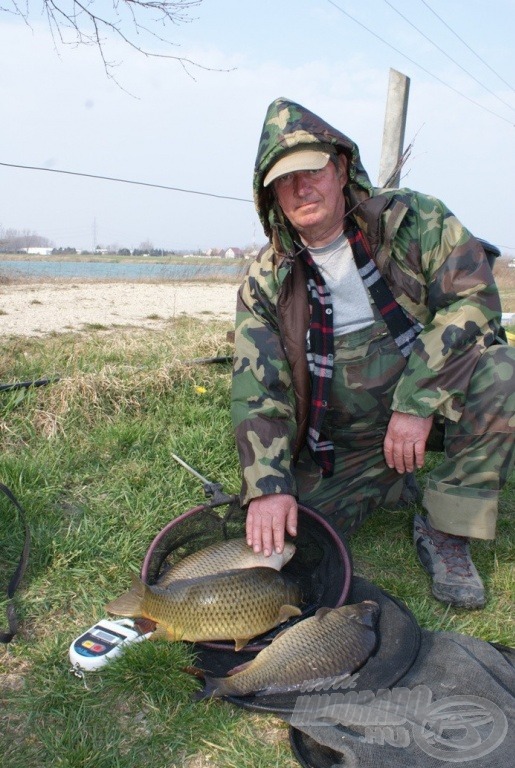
column 331, row 643
column 224, row 556
column 238, row 604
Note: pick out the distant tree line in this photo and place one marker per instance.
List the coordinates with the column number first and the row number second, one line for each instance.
column 155, row 252
column 12, row 240
column 17, row 241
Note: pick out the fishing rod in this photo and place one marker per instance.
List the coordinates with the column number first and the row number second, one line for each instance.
column 27, row 384
column 219, row 359
column 44, row 382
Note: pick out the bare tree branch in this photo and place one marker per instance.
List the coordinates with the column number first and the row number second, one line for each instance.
column 72, row 22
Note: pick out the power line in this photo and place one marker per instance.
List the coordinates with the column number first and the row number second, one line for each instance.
column 468, row 46
column 439, row 48
column 126, row 181
column 141, row 183
column 439, row 79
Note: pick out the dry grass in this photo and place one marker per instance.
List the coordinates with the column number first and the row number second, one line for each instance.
column 505, row 279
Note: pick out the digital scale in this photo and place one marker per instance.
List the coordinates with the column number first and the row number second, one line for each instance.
column 105, row 640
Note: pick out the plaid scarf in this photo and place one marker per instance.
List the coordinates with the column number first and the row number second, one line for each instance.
column 320, row 339
column 404, row 329
column 320, row 355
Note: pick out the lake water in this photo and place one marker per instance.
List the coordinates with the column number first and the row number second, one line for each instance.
column 97, row 270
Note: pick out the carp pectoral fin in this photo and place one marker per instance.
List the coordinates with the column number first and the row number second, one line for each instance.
column 239, row 668
column 164, row 633
column 322, row 612
column 129, row 604
column 279, row 634
column 287, row 611
column 240, row 642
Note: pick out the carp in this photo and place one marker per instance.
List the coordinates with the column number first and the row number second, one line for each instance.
column 236, row 605
column 331, row 644
column 232, row 554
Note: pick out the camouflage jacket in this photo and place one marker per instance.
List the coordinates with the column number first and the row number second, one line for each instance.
column 434, row 267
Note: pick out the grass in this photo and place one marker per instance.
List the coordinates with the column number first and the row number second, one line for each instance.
column 89, row 458
column 505, row 278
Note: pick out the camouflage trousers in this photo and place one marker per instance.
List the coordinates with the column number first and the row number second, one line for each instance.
column 461, row 493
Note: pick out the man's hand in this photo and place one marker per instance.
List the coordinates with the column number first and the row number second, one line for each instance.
column 268, row 518
column 405, row 441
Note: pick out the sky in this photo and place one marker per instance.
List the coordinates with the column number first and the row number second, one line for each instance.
column 158, row 122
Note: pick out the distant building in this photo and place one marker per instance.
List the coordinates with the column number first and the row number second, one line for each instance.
column 37, row 251
column 234, row 253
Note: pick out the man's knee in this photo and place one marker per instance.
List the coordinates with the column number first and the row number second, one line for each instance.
column 490, row 401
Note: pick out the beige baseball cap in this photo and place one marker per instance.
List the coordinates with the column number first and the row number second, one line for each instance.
column 301, row 160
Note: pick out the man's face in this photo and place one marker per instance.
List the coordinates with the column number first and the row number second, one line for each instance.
column 313, row 202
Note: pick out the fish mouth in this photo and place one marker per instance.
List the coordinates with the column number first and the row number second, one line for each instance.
column 369, row 613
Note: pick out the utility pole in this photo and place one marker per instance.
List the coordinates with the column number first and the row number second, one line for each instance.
column 94, row 235
column 394, row 129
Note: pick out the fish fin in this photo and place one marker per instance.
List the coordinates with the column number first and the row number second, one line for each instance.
column 239, row 668
column 129, row 603
column 287, row 611
column 212, row 688
column 163, row 633
column 307, row 686
column 322, row 612
column 240, row 642
column 145, row 626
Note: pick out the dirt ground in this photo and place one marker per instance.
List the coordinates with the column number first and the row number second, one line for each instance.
column 38, row 309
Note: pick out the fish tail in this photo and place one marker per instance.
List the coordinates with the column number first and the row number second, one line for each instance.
column 213, row 687
column 130, row 602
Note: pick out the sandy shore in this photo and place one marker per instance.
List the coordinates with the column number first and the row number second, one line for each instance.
column 38, row 309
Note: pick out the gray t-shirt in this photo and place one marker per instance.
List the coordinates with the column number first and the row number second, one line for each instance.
column 351, row 303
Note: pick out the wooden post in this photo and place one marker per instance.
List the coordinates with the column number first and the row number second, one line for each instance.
column 394, row 128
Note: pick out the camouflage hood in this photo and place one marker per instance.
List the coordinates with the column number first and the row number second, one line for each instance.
column 289, row 125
